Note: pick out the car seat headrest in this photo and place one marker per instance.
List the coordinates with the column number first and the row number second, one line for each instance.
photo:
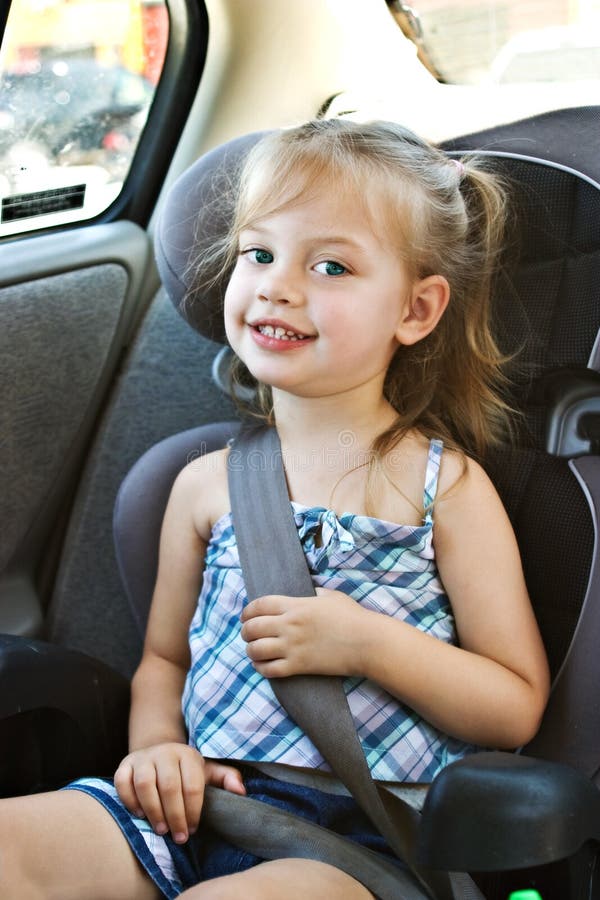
column 196, row 213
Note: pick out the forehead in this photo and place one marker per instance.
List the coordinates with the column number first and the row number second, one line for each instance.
column 333, row 207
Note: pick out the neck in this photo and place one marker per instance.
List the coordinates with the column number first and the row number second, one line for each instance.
column 332, row 421
column 326, row 444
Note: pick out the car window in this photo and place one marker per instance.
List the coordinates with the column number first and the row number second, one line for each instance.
column 562, row 54
column 551, row 42
column 77, row 80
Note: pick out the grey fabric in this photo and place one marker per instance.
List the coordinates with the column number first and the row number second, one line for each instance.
column 165, row 387
column 55, row 337
column 574, row 698
column 141, row 503
column 199, row 207
column 565, row 136
column 246, row 822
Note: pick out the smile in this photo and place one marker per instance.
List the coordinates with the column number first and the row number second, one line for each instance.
column 276, row 336
column 281, row 334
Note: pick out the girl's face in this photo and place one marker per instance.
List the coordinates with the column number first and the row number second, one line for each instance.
column 316, row 301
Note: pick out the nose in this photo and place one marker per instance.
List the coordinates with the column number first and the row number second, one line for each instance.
column 279, row 287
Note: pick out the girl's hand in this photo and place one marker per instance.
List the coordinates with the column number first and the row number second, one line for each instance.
column 304, row 635
column 165, row 783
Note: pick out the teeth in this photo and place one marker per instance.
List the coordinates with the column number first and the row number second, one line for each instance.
column 280, row 333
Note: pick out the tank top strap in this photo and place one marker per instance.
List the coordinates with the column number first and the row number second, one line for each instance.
column 432, row 472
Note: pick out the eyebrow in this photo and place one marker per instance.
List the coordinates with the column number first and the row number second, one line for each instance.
column 335, row 239
column 339, row 240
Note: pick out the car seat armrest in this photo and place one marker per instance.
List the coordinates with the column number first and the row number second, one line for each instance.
column 499, row 811
column 571, row 398
column 62, row 714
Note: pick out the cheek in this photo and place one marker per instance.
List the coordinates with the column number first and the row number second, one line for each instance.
column 231, row 314
column 349, row 328
column 233, row 303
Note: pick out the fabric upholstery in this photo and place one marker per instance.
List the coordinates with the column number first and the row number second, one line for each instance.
column 565, row 136
column 164, row 387
column 55, row 332
column 198, row 209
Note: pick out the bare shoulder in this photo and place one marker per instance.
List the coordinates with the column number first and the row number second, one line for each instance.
column 463, row 481
column 406, row 470
column 468, row 507
column 201, row 488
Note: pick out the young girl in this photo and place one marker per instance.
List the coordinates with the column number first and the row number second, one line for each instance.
column 359, row 301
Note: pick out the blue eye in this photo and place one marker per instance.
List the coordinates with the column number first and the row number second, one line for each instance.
column 331, row 268
column 262, row 256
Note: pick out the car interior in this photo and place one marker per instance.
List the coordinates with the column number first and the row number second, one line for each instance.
column 111, row 384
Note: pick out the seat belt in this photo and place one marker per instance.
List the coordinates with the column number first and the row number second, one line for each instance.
column 272, row 833
column 272, row 562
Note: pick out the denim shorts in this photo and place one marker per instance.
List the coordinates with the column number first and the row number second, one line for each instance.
column 176, row 867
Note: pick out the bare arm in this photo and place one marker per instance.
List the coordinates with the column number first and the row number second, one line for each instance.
column 162, row 777
column 491, row 690
column 158, row 682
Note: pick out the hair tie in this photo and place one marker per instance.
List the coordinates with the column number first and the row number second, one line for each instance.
column 459, row 165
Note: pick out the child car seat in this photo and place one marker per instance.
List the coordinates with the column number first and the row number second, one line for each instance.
column 546, row 309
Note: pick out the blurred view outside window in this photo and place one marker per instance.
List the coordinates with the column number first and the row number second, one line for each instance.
column 77, row 78
column 541, row 43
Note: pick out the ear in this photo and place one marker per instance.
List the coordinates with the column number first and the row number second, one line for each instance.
column 425, row 307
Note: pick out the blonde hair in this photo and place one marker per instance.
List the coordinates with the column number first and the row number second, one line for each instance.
column 442, row 217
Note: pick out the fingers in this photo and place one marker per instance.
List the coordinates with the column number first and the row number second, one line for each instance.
column 268, row 626
column 226, row 777
column 277, row 668
column 264, row 621
column 169, row 794
column 261, row 631
column 136, row 784
column 269, row 605
column 264, row 649
column 149, row 789
column 261, row 627
column 124, row 784
column 193, row 780
column 166, row 785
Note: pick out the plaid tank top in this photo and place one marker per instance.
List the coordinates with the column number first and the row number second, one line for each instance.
column 229, row 708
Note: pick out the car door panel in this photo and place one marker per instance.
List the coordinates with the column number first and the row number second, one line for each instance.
column 66, row 302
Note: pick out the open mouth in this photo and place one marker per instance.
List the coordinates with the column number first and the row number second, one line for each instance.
column 280, row 333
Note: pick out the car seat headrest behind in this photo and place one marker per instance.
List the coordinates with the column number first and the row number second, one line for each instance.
column 196, row 214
